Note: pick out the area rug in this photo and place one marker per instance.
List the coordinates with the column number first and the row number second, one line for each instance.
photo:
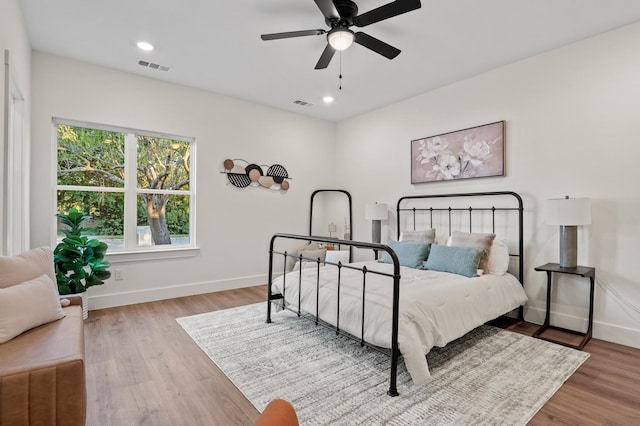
column 489, row 376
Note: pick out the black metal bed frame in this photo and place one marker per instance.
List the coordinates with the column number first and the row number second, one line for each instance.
column 394, row 352
column 340, row 191
column 492, row 209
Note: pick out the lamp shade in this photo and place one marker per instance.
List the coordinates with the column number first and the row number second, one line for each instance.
column 377, row 211
column 569, row 211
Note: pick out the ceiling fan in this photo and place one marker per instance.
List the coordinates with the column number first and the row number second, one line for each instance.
column 342, row 14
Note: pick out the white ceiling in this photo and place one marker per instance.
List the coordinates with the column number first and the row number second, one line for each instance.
column 215, row 45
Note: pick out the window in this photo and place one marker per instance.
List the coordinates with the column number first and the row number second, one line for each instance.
column 137, row 186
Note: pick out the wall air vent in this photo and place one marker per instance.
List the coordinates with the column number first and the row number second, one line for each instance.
column 153, row 66
column 303, row 103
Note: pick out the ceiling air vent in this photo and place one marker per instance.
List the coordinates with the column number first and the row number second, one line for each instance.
column 153, row 66
column 303, row 103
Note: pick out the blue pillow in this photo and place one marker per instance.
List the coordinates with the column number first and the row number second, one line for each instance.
column 410, row 253
column 457, row 260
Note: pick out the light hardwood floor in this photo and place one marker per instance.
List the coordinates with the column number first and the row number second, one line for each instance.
column 143, row 369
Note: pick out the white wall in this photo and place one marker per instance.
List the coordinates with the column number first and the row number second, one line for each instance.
column 13, row 37
column 233, row 226
column 572, row 128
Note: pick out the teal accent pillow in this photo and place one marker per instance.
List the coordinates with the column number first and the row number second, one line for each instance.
column 457, row 260
column 410, row 253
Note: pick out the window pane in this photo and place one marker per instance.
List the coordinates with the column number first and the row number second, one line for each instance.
column 163, row 163
column 106, row 209
column 95, row 159
column 90, row 157
column 163, row 219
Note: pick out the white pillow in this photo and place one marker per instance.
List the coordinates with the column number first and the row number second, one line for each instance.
column 498, row 262
column 425, row 236
column 313, row 255
column 443, row 240
column 335, row 256
column 311, row 258
column 27, row 305
column 291, row 261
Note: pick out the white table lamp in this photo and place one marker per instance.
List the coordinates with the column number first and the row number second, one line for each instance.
column 375, row 213
column 569, row 213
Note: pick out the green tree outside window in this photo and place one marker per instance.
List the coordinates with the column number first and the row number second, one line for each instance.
column 92, row 177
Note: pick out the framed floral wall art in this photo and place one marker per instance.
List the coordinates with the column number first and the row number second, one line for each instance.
column 463, row 154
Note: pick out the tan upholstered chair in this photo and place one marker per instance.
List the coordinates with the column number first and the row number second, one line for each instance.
column 278, row 413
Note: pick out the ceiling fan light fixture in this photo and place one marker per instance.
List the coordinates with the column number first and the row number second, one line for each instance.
column 341, row 39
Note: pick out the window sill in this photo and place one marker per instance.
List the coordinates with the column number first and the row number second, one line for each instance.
column 153, row 254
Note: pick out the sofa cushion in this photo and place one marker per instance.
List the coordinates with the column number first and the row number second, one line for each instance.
column 27, row 305
column 26, row 266
column 42, row 374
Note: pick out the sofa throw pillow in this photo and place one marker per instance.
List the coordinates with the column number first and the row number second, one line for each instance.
column 27, row 305
column 456, row 260
column 410, row 253
column 26, row 266
column 468, row 239
column 425, row 236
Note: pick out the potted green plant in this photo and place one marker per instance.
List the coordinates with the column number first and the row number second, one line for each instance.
column 78, row 260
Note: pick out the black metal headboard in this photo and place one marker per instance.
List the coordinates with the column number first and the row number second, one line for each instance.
column 483, row 202
column 341, row 191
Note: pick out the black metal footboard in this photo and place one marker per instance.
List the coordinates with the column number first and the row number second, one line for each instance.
column 395, row 276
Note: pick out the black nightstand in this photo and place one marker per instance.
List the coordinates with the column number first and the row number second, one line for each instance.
column 583, row 271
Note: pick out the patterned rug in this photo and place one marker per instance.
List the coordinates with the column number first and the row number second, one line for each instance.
column 490, row 376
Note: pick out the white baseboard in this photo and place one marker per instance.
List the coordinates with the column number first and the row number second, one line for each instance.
column 154, row 294
column 601, row 330
column 608, row 332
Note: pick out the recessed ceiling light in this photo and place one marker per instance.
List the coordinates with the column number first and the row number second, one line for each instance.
column 145, row 46
column 327, row 99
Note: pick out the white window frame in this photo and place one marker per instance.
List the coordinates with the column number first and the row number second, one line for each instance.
column 131, row 252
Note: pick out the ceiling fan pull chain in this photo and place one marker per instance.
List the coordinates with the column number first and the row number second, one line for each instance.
column 340, row 75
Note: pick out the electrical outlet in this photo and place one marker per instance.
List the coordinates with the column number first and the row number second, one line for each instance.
column 119, row 274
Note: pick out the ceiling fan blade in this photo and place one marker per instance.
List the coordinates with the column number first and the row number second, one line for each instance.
column 325, row 58
column 376, row 45
column 386, row 11
column 276, row 36
column 328, row 9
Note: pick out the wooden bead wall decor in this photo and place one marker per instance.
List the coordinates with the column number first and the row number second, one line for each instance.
column 254, row 175
column 266, row 181
column 242, row 174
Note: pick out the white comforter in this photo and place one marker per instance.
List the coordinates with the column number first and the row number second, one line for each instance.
column 435, row 307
